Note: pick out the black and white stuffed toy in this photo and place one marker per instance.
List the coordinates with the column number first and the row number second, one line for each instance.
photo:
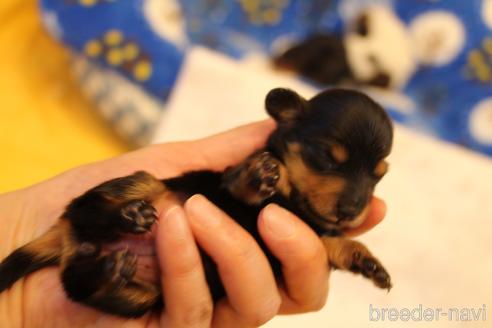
column 376, row 49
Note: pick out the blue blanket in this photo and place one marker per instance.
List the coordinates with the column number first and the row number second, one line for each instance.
column 449, row 95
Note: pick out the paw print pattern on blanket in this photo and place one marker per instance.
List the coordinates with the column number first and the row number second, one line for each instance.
column 479, row 63
column 120, row 53
column 90, row 3
column 264, row 12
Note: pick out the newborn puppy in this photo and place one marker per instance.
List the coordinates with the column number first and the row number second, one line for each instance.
column 321, row 162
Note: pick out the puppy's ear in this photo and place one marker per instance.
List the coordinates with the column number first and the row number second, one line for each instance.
column 285, row 105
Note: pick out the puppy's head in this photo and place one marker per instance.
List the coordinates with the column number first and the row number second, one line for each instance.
column 334, row 148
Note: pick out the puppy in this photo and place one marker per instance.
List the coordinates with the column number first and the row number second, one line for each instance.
column 321, row 162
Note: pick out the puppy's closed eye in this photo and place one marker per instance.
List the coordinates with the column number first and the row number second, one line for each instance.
column 320, row 158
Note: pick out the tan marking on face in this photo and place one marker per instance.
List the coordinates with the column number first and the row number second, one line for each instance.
column 339, row 153
column 321, row 191
column 381, row 168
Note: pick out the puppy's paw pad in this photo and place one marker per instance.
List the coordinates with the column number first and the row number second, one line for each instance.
column 266, row 174
column 139, row 216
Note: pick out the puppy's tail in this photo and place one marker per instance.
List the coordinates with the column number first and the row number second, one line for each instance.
column 39, row 253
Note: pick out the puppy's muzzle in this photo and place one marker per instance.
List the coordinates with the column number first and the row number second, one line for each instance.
column 349, row 210
column 347, row 213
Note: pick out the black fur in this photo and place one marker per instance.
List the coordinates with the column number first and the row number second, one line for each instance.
column 19, row 264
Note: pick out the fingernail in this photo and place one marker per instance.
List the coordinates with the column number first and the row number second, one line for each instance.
column 174, row 219
column 201, row 210
column 279, row 221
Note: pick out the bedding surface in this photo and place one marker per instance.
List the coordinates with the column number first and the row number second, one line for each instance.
column 46, row 125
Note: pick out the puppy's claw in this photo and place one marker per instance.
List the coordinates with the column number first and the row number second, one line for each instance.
column 370, row 268
column 271, row 181
column 369, row 265
column 268, row 165
column 268, row 174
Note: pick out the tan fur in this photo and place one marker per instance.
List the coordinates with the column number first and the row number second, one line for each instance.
column 144, row 187
column 339, row 153
column 241, row 189
column 288, row 115
column 321, row 191
column 340, row 251
column 141, row 294
column 68, row 244
column 381, row 168
column 47, row 246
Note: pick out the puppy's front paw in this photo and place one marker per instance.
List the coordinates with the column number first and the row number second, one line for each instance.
column 138, row 216
column 255, row 179
column 351, row 255
column 264, row 174
column 370, row 268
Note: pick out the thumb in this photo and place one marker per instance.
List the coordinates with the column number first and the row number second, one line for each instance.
column 230, row 147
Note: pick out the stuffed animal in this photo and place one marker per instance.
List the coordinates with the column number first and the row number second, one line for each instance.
column 375, row 49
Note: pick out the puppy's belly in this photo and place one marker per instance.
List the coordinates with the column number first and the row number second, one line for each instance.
column 148, row 269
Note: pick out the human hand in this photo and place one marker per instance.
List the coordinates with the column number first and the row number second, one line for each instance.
column 40, row 301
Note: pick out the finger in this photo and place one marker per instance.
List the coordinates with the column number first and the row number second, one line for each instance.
column 212, row 153
column 243, row 267
column 225, row 316
column 230, row 147
column 376, row 214
column 186, row 296
column 302, row 255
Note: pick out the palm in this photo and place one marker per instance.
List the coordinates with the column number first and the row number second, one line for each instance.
column 41, row 296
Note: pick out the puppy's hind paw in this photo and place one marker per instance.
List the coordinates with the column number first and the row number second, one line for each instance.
column 138, row 216
column 120, row 267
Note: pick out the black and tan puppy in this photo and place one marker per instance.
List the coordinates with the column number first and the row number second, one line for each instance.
column 322, row 163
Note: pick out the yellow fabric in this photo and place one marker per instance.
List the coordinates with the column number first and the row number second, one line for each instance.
column 46, row 125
